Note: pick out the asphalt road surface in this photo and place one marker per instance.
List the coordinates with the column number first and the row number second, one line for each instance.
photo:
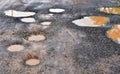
column 68, row 49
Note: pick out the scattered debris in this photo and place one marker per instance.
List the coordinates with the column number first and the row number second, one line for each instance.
column 28, row 20
column 56, row 10
column 110, row 10
column 92, row 21
column 15, row 48
column 14, row 13
column 114, row 33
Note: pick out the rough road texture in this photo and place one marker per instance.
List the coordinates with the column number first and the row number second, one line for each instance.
column 68, row 49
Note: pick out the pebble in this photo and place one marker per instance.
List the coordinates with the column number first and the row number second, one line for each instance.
column 114, row 33
column 110, row 10
column 91, row 21
column 32, row 62
column 37, row 38
column 56, row 10
column 15, row 48
column 28, row 20
column 15, row 13
column 46, row 23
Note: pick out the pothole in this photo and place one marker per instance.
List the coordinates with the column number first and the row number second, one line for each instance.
column 91, row 21
column 114, row 33
column 15, row 13
column 28, row 20
column 15, row 48
column 56, row 10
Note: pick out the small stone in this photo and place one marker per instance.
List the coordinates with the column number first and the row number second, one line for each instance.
column 114, row 33
column 37, row 38
column 46, row 23
column 32, row 62
column 28, row 20
column 15, row 48
column 46, row 16
column 91, row 21
column 14, row 13
column 56, row 10
column 110, row 10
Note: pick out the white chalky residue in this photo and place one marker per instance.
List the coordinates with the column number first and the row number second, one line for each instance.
column 14, row 13
column 85, row 22
column 56, row 10
column 28, row 20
